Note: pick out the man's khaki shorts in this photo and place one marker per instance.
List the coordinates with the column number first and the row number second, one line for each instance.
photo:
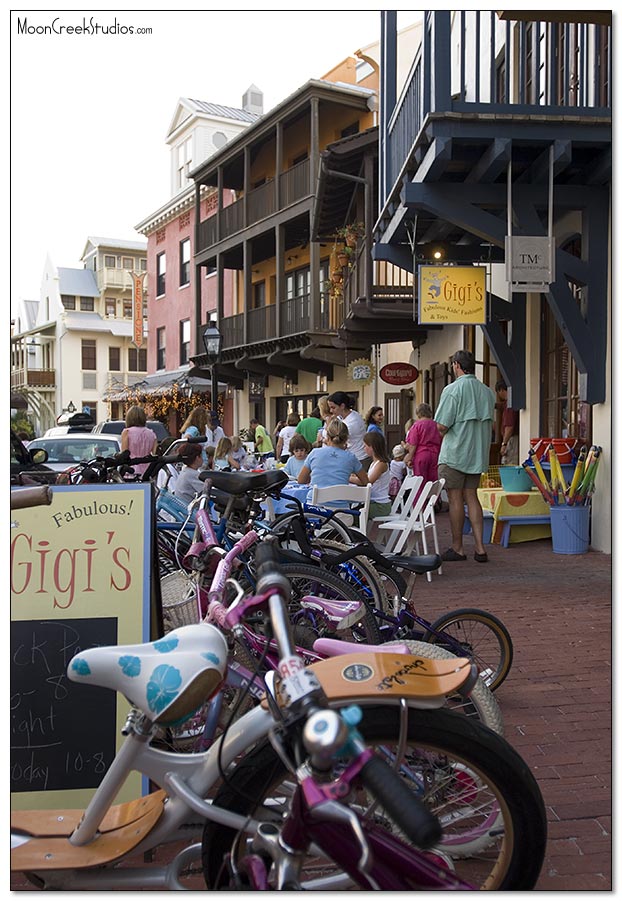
column 456, row 479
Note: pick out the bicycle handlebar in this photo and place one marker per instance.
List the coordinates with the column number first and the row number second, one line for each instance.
column 37, row 496
column 410, row 814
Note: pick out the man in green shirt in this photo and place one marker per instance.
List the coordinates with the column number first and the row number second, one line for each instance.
column 263, row 441
column 310, row 426
column 464, row 418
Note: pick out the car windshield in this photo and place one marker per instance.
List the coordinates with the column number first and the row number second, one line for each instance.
column 68, row 450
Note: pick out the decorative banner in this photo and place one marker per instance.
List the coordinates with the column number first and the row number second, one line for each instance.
column 452, row 295
column 399, row 373
column 80, row 577
column 361, row 371
column 138, row 296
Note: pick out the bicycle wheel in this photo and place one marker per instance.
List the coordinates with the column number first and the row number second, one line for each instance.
column 480, row 704
column 478, row 635
column 311, row 624
column 317, row 526
column 359, row 572
column 486, row 798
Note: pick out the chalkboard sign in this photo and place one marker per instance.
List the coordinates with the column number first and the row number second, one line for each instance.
column 62, row 732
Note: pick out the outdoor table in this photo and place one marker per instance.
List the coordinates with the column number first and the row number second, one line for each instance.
column 509, row 508
column 283, row 505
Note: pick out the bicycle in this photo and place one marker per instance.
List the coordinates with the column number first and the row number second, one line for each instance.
column 471, row 817
column 368, row 570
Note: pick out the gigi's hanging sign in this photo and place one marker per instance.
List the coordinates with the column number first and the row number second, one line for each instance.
column 452, row 295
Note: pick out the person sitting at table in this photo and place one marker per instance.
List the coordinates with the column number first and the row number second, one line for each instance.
column 299, row 449
column 379, row 474
column 332, row 464
column 223, row 456
column 188, row 483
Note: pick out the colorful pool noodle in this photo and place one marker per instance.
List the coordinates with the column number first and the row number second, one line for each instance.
column 577, row 475
column 556, row 465
column 586, row 486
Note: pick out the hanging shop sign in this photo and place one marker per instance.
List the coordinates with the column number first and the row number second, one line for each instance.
column 362, row 372
column 256, row 389
column 399, row 373
column 529, row 263
column 452, row 295
column 138, row 318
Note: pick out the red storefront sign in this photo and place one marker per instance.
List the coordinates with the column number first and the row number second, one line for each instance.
column 399, row 373
column 138, row 319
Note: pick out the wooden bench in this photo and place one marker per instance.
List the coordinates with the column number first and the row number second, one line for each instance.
column 509, row 521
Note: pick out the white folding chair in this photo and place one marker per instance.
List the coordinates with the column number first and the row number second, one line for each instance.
column 427, row 520
column 402, row 498
column 400, row 531
column 356, row 496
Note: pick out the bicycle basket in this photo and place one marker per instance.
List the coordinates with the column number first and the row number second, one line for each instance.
column 179, row 603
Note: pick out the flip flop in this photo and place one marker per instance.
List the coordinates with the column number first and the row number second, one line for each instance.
column 481, row 558
column 450, row 554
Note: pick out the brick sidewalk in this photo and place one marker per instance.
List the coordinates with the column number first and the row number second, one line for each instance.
column 556, row 700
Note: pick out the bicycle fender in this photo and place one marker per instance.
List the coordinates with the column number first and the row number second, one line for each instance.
column 371, row 676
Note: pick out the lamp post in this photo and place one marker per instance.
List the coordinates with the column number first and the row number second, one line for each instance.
column 212, row 339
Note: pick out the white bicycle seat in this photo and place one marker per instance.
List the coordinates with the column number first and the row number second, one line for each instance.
column 167, row 679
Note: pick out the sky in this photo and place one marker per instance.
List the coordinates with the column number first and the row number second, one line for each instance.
column 90, row 113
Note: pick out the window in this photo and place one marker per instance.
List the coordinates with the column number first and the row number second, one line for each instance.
column 350, row 130
column 184, row 161
column 111, row 306
column 160, row 274
column 110, row 262
column 300, row 158
column 68, row 301
column 127, row 309
column 128, row 262
column 114, row 359
column 89, row 354
column 259, row 295
column 137, row 359
column 161, row 348
column 184, row 262
column 143, row 265
column 219, row 139
column 184, row 341
column 87, row 304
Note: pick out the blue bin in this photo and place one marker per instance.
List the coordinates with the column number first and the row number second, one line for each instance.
column 570, row 529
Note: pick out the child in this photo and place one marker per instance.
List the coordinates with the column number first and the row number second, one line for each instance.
column 397, row 469
column 332, row 464
column 299, row 449
column 379, row 474
column 238, row 451
column 223, row 457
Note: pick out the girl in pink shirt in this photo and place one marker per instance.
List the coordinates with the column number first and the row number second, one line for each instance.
column 137, row 438
column 424, row 445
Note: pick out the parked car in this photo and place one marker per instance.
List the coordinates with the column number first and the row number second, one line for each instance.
column 28, row 466
column 79, row 422
column 64, row 451
column 116, row 426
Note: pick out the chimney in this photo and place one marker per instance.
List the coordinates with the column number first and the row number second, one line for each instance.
column 252, row 101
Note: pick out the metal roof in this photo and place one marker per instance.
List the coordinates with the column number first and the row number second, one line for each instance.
column 118, row 244
column 77, row 282
column 224, row 112
column 93, row 322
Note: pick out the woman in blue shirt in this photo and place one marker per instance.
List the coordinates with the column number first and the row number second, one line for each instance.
column 375, row 420
column 332, row 464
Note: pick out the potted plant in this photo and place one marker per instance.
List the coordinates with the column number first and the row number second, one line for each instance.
column 351, row 232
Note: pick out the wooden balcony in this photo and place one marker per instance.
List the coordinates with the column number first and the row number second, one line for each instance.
column 33, row 378
column 261, row 203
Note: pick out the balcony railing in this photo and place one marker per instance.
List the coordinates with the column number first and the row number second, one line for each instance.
column 295, row 315
column 114, row 278
column 261, row 324
column 481, row 65
column 33, row 378
column 294, row 185
column 232, row 328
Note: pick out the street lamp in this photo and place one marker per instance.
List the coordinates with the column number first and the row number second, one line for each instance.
column 70, row 407
column 212, row 339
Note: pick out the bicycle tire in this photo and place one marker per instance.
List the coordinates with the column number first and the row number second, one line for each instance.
column 332, row 529
column 490, row 648
column 358, row 572
column 481, row 703
column 314, row 580
column 489, row 803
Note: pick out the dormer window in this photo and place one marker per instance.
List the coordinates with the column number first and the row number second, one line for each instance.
column 184, row 161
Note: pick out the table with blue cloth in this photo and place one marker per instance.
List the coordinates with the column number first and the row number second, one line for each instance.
column 282, row 505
